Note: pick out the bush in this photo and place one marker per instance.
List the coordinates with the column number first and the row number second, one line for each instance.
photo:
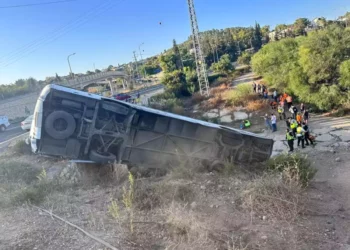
column 197, row 98
column 294, row 168
column 240, row 96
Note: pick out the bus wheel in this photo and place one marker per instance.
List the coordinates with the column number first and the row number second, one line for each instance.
column 102, row 157
column 60, row 125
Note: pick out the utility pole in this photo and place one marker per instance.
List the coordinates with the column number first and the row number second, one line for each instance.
column 70, row 68
column 200, row 63
column 137, row 70
column 144, row 71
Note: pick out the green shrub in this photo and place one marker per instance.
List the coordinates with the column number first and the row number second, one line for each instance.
column 294, row 168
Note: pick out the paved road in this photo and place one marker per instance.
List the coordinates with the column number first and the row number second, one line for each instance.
column 244, row 79
column 12, row 131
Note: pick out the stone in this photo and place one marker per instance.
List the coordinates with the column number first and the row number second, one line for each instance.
column 220, row 187
column 226, row 118
column 264, row 237
column 337, row 159
column 324, row 138
column 238, row 115
column 211, row 206
column 193, row 205
column 203, row 187
column 264, row 217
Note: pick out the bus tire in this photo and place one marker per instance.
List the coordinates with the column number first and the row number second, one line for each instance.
column 102, row 158
column 59, row 133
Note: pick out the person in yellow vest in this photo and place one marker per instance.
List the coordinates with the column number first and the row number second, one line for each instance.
column 290, row 139
column 281, row 112
column 293, row 126
column 300, row 136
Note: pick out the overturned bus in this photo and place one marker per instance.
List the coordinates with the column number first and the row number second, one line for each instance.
column 86, row 127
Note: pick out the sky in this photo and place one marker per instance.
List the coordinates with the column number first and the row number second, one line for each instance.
column 35, row 41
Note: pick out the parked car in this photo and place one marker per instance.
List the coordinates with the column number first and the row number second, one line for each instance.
column 122, row 96
column 27, row 123
column 4, row 123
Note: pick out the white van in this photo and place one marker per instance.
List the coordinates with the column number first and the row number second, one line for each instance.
column 4, row 123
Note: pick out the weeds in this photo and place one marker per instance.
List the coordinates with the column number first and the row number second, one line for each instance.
column 256, row 105
column 113, row 210
column 294, row 168
column 21, row 148
column 128, row 201
column 17, row 172
column 271, row 196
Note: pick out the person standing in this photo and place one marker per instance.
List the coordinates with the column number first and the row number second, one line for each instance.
column 293, row 126
column 267, row 122
column 281, row 112
column 298, row 118
column 291, row 110
column 307, row 135
column 254, row 87
column 274, row 123
column 290, row 140
column 306, row 116
column 275, row 95
column 289, row 101
column 295, row 112
column 259, row 88
column 302, row 108
column 300, row 136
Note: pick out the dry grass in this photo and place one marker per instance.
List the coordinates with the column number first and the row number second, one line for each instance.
column 21, row 148
column 256, row 105
column 197, row 98
column 269, row 195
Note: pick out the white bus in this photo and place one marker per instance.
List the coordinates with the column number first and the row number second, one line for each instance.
column 86, row 127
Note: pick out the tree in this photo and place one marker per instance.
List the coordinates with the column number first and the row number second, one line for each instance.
column 224, row 65
column 97, row 71
column 168, row 62
column 344, row 71
column 257, row 37
column 178, row 61
column 110, row 67
column 300, row 25
column 265, row 31
column 280, row 27
column 89, row 72
column 245, row 58
column 309, row 67
column 175, row 82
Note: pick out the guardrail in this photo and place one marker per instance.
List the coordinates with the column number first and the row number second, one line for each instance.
column 84, row 79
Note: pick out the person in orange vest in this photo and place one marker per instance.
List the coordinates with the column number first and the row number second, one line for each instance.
column 298, row 118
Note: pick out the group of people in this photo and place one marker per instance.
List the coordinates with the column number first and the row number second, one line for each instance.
column 260, row 89
column 297, row 124
column 299, row 131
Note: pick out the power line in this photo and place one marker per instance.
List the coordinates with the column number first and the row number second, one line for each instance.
column 13, row 54
column 35, row 4
column 26, row 50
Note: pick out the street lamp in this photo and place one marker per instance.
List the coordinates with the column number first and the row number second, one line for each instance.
column 144, row 70
column 70, row 68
